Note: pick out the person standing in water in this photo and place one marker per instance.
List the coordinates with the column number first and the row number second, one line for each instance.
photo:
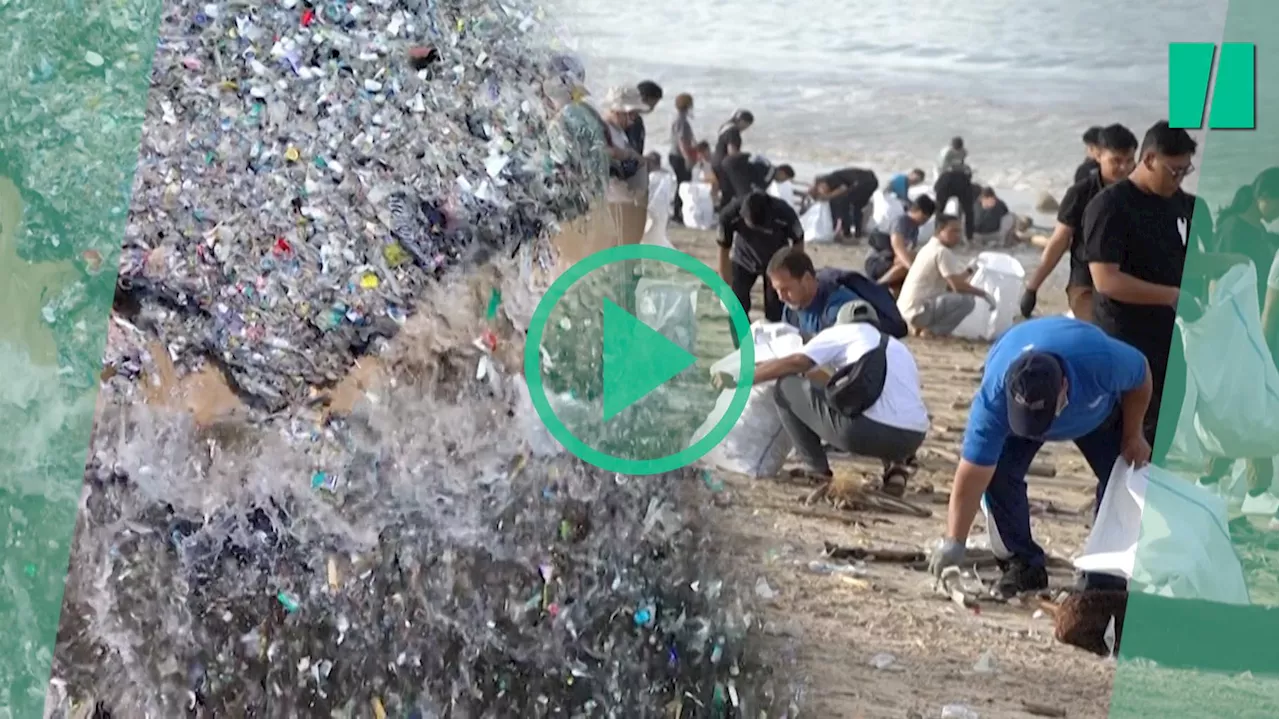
column 1116, row 146
column 955, row 179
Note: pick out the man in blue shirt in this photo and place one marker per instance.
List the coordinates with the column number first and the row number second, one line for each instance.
column 811, row 304
column 900, row 185
column 1045, row 380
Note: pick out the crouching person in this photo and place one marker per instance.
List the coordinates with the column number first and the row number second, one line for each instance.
column 1045, row 380
column 936, row 295
column 855, row 388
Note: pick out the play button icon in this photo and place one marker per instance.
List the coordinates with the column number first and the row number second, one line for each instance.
column 637, row 360
column 612, row 355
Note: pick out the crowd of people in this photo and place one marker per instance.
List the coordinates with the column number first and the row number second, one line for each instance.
column 1097, row 377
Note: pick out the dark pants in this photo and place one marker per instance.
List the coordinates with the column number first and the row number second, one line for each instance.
column 1169, row 388
column 1006, row 496
column 743, row 281
column 878, row 263
column 960, row 186
column 848, row 208
column 683, row 174
column 809, row 421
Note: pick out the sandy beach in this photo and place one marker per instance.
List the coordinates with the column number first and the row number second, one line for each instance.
column 881, row 643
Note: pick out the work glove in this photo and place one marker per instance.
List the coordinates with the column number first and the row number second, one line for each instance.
column 948, row 553
column 1027, row 304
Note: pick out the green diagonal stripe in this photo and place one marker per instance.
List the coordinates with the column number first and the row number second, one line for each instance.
column 1186, row 656
column 73, row 90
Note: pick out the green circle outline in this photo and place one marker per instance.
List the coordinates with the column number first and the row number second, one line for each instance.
column 533, row 359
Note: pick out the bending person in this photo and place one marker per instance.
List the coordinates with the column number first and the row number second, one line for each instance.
column 1046, row 380
column 894, row 422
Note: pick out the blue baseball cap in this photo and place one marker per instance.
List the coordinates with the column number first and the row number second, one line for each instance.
column 1031, row 388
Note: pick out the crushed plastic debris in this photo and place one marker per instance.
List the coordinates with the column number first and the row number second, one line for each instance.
column 958, row 711
column 883, row 660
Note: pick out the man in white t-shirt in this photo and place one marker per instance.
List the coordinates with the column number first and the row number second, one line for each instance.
column 936, row 295
column 891, row 429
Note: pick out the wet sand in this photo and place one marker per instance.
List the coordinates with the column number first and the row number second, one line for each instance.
column 838, row 628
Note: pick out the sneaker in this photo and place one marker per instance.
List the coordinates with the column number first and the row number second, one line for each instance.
column 1020, row 577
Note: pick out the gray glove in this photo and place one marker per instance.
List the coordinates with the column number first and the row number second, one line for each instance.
column 948, row 553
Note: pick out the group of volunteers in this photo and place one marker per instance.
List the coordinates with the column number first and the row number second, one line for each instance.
column 1095, row 379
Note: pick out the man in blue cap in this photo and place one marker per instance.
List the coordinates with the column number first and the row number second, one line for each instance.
column 1045, row 380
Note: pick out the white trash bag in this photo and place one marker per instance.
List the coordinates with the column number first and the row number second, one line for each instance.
column 818, row 224
column 757, row 446
column 886, row 208
column 697, row 206
column 1186, row 550
column 1002, row 276
column 785, row 191
column 662, row 193
column 1237, row 410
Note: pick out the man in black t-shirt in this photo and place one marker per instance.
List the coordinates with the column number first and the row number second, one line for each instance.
column 848, row 191
column 1137, row 235
column 728, row 144
column 753, row 228
column 1115, row 147
column 742, row 173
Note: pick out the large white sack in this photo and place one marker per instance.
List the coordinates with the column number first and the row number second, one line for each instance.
column 662, row 193
column 885, row 209
column 1235, row 386
column 1166, row 534
column 1002, row 276
column 819, row 227
column 698, row 207
column 785, row 191
column 757, row 446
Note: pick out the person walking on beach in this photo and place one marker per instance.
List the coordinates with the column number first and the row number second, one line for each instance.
column 881, row 412
column 728, row 144
column 1046, row 380
column 848, row 191
column 1116, row 146
column 936, row 295
column 900, row 184
column 893, row 254
column 1137, row 235
column 1092, row 148
column 683, row 154
column 650, row 96
column 753, row 228
column 955, row 179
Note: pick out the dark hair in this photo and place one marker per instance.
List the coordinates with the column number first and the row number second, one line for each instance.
column 1266, row 184
column 793, row 260
column 957, row 143
column 1116, row 138
column 1092, row 135
column 943, row 220
column 1168, row 141
column 744, row 116
column 925, row 204
column 703, row 146
column 917, row 172
column 755, row 207
column 649, row 91
column 788, row 169
column 684, row 102
column 987, row 191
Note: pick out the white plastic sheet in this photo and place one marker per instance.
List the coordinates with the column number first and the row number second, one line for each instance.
column 1185, row 550
column 698, row 207
column 662, row 193
column 757, row 446
column 1236, row 406
column 1002, row 276
column 819, row 227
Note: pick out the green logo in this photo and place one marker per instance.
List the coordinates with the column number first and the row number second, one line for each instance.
column 616, row 391
column 1234, row 92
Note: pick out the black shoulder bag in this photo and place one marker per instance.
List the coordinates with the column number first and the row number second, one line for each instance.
column 856, row 386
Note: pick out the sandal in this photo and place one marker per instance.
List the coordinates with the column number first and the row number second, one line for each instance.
column 894, row 482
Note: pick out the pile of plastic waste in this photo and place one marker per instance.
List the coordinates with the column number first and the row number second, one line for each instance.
column 315, row 180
